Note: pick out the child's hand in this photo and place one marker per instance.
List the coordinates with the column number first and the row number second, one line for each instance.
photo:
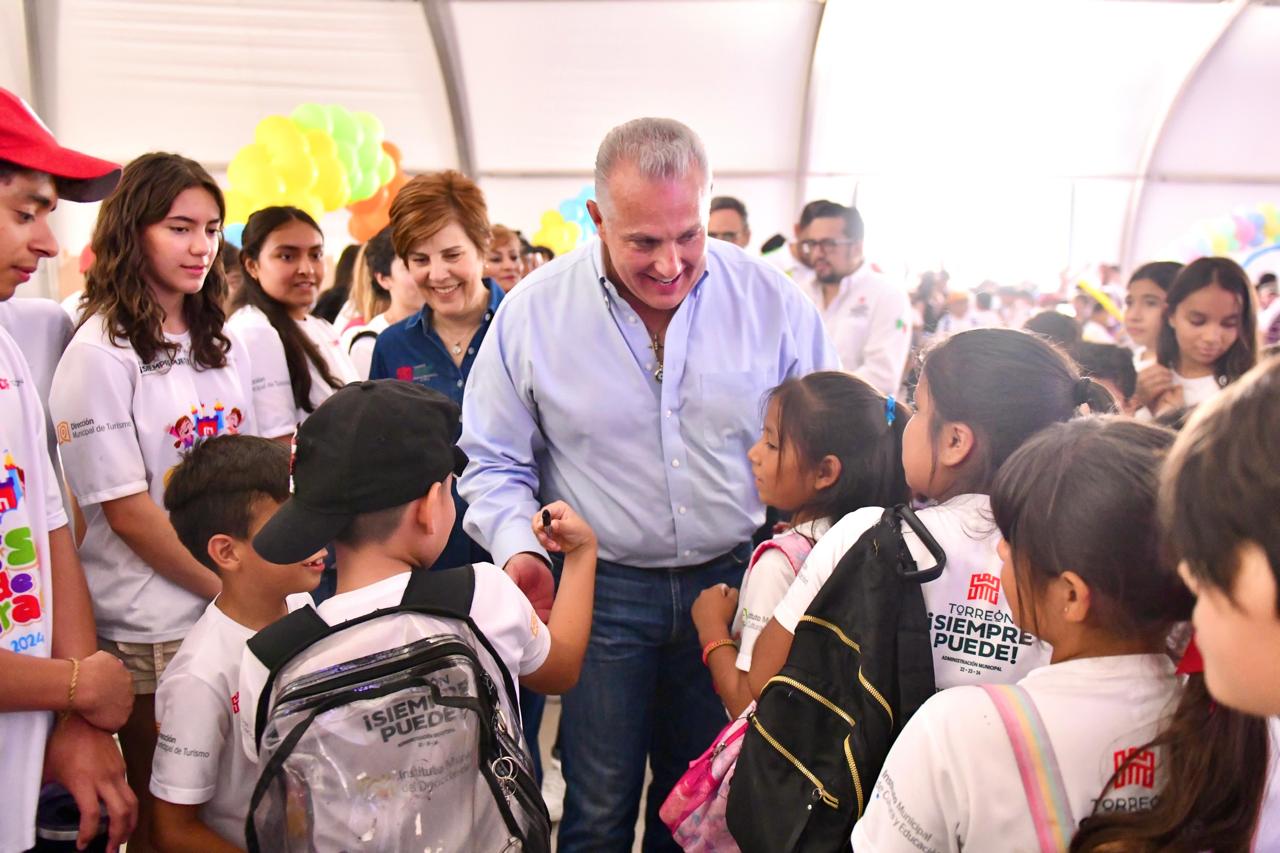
column 566, row 532
column 1169, row 401
column 1153, row 381
column 713, row 611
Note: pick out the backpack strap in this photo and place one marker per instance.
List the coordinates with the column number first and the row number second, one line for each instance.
column 359, row 336
column 794, row 546
column 907, row 566
column 446, row 592
column 1037, row 765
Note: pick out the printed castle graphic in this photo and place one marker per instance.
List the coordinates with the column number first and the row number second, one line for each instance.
column 12, row 485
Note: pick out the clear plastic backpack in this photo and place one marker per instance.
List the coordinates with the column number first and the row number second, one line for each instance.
column 397, row 731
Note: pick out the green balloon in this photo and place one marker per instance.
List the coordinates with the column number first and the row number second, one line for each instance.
column 368, row 157
column 367, row 187
column 312, row 117
column 345, row 128
column 370, row 128
column 386, row 169
column 350, row 161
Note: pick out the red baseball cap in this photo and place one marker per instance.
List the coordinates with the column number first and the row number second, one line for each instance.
column 26, row 142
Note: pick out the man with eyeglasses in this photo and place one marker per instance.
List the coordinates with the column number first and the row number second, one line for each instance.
column 728, row 221
column 867, row 317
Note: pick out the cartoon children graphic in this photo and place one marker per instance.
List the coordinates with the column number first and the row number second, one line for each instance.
column 184, row 431
column 234, row 418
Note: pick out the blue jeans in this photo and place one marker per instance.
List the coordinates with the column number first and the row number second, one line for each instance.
column 643, row 693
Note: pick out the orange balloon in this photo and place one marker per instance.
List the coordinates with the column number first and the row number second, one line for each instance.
column 395, row 184
column 393, row 151
column 363, row 226
column 371, row 204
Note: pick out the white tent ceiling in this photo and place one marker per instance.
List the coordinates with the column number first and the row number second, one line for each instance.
column 1004, row 138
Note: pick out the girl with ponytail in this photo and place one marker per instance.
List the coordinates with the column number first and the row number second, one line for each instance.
column 831, row 444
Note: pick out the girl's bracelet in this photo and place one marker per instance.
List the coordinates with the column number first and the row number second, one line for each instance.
column 713, row 645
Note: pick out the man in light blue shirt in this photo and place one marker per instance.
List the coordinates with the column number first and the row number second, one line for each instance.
column 626, row 378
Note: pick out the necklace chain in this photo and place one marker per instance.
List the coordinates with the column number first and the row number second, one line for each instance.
column 658, row 348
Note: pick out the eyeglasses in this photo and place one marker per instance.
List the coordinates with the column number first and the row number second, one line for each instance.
column 728, row 236
column 827, row 246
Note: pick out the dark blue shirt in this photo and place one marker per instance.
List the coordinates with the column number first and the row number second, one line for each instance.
column 411, row 350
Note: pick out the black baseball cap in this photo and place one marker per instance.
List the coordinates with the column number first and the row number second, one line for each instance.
column 371, row 446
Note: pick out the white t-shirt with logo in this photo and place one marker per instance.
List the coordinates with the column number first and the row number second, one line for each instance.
column 272, row 391
column 869, row 323
column 1198, row 390
column 763, row 586
column 498, row 607
column 197, row 760
column 30, row 507
column 122, row 426
column 951, row 780
column 42, row 330
column 358, row 342
column 971, row 629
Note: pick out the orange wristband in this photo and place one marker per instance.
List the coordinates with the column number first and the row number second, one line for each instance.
column 713, row 645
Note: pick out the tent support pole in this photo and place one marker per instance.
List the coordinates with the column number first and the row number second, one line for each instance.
column 445, row 37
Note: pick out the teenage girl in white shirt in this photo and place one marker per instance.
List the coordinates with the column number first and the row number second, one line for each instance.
column 1082, row 564
column 1208, row 337
column 297, row 359
column 831, row 444
column 149, row 370
column 1144, row 300
column 982, row 393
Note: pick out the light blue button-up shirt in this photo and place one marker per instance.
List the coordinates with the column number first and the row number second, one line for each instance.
column 562, row 404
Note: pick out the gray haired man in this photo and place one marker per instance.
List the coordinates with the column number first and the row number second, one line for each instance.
column 626, row 376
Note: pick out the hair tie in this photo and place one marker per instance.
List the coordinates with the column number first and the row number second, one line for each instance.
column 890, row 410
column 1080, row 393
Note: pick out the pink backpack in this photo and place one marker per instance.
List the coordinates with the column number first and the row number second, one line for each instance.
column 694, row 811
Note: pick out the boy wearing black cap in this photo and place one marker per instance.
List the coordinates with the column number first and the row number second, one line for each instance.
column 372, row 473
column 48, row 655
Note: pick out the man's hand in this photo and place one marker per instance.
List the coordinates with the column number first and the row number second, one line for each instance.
column 86, row 761
column 534, row 579
column 104, row 692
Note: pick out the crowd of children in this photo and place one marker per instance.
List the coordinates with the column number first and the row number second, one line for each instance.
column 1104, row 629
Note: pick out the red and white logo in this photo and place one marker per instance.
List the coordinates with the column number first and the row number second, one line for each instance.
column 985, row 586
column 235, row 703
column 1141, row 770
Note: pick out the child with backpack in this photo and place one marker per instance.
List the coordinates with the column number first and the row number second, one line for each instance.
column 1105, row 732
column 831, row 444
column 914, row 604
column 398, row 694
column 982, row 393
column 218, row 497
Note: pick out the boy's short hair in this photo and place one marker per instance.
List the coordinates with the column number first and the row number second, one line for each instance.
column 1109, row 362
column 213, row 489
column 1228, row 451
column 372, row 526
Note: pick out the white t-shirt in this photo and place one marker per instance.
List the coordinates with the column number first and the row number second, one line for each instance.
column 30, row 507
column 869, row 323
column 42, row 330
column 358, row 342
column 121, row 427
column 272, row 392
column 498, row 607
column 972, row 632
column 1196, row 391
column 1267, row 836
column 951, row 780
column 197, row 761
column 763, row 586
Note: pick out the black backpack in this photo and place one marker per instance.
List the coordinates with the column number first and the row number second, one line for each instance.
column 394, row 731
column 859, row 667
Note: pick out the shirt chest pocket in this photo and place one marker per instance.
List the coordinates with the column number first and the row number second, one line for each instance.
column 730, row 404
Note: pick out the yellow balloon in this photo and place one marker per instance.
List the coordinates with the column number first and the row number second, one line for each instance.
column 312, row 205
column 239, row 206
column 321, row 144
column 1220, row 245
column 299, row 174
column 281, row 137
column 331, row 184
column 250, row 170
